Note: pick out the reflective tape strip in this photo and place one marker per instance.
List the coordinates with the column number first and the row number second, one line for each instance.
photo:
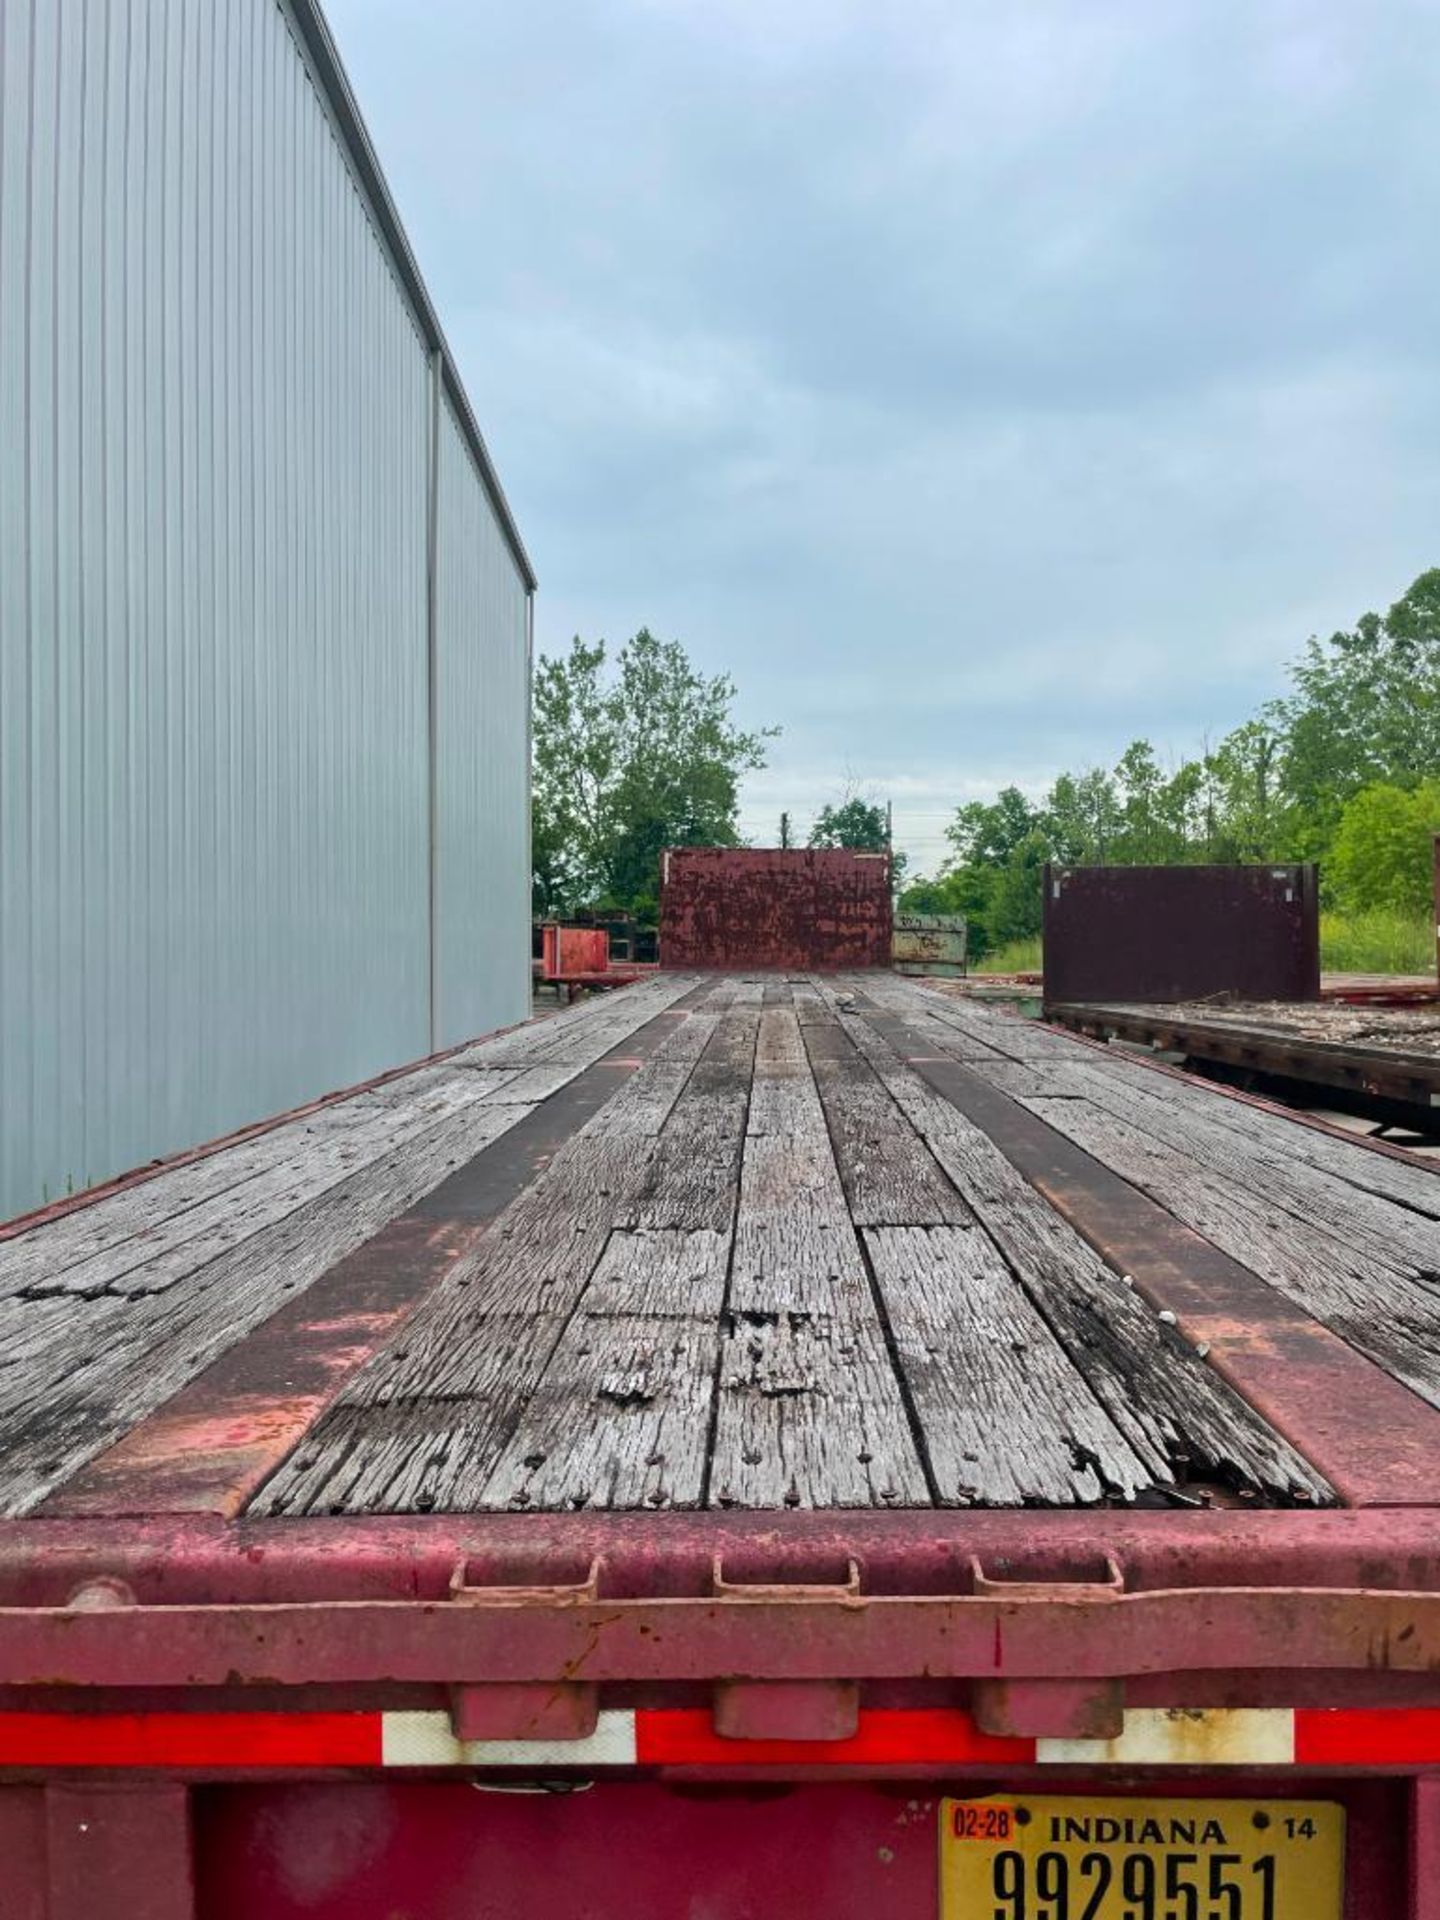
column 1367, row 1736
column 1185, row 1737
column 426, row 1740
column 191, row 1740
column 1373, row 1738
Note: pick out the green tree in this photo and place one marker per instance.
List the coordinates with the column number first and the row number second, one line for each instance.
column 984, row 834
column 1247, row 812
column 628, row 760
column 1141, row 840
column 957, row 889
column 1365, row 711
column 863, row 824
column 1082, row 816
column 1016, row 902
column 854, row 823
column 1382, row 854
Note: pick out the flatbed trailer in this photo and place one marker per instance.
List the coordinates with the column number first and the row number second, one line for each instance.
column 792, row 1443
column 1387, row 1054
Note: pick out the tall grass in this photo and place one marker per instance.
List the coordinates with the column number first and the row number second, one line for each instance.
column 1384, row 940
column 1016, row 956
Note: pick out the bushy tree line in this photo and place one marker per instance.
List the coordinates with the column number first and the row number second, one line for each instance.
column 631, row 755
column 634, row 752
column 1344, row 769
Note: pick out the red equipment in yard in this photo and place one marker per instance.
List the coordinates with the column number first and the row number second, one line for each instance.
column 574, row 957
column 791, row 907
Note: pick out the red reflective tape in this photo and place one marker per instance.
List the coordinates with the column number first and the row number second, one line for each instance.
column 886, row 1737
column 190, row 1740
column 1366, row 1736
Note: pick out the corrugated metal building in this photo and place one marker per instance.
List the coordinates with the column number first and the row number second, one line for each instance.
column 264, row 612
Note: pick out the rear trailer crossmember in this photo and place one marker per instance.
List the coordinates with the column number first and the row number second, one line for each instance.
column 187, row 1705
column 1019, row 1659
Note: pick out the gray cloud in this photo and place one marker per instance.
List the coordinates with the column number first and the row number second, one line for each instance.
column 980, row 383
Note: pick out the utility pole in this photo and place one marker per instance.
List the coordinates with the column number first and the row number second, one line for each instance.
column 785, row 830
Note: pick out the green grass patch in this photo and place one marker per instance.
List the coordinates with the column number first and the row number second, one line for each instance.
column 1016, row 956
column 1383, row 940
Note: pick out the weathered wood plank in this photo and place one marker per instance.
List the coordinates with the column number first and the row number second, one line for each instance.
column 1177, row 1414
column 1374, row 1305
column 666, row 1271
column 527, row 1086
column 795, row 1245
column 159, row 1256
column 782, row 1093
column 1040, row 1079
column 409, row 1454
column 50, row 1249
column 693, row 1172
column 115, row 1360
column 533, row 1265
column 810, row 1415
column 890, row 1176
column 925, row 1012
column 1415, row 1187
column 1006, row 1418
column 573, row 1035
column 620, row 1418
column 1376, row 1228
column 41, row 1255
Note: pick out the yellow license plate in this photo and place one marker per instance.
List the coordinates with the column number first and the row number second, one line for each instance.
column 1027, row 1857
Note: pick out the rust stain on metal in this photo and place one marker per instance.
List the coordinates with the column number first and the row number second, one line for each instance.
column 796, row 908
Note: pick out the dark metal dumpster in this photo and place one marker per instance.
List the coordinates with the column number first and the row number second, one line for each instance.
column 1181, row 933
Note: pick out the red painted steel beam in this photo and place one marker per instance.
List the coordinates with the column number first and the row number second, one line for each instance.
column 201, row 1559
column 1376, row 1442
column 529, row 1637
column 210, row 1447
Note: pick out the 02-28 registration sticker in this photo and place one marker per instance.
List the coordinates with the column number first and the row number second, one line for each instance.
column 1041, row 1857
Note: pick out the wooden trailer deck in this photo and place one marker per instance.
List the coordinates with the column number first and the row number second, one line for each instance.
column 722, row 1242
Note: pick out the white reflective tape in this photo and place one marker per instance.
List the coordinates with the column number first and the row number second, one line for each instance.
column 1185, row 1737
column 427, row 1740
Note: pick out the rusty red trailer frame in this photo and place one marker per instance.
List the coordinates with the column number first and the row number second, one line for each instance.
column 154, row 1666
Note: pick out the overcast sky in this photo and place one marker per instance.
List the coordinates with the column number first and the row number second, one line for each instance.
column 980, row 383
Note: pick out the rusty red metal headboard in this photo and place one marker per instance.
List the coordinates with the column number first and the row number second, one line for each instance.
column 799, row 908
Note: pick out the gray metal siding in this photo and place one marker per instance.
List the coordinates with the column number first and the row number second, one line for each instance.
column 482, row 704
column 215, row 425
